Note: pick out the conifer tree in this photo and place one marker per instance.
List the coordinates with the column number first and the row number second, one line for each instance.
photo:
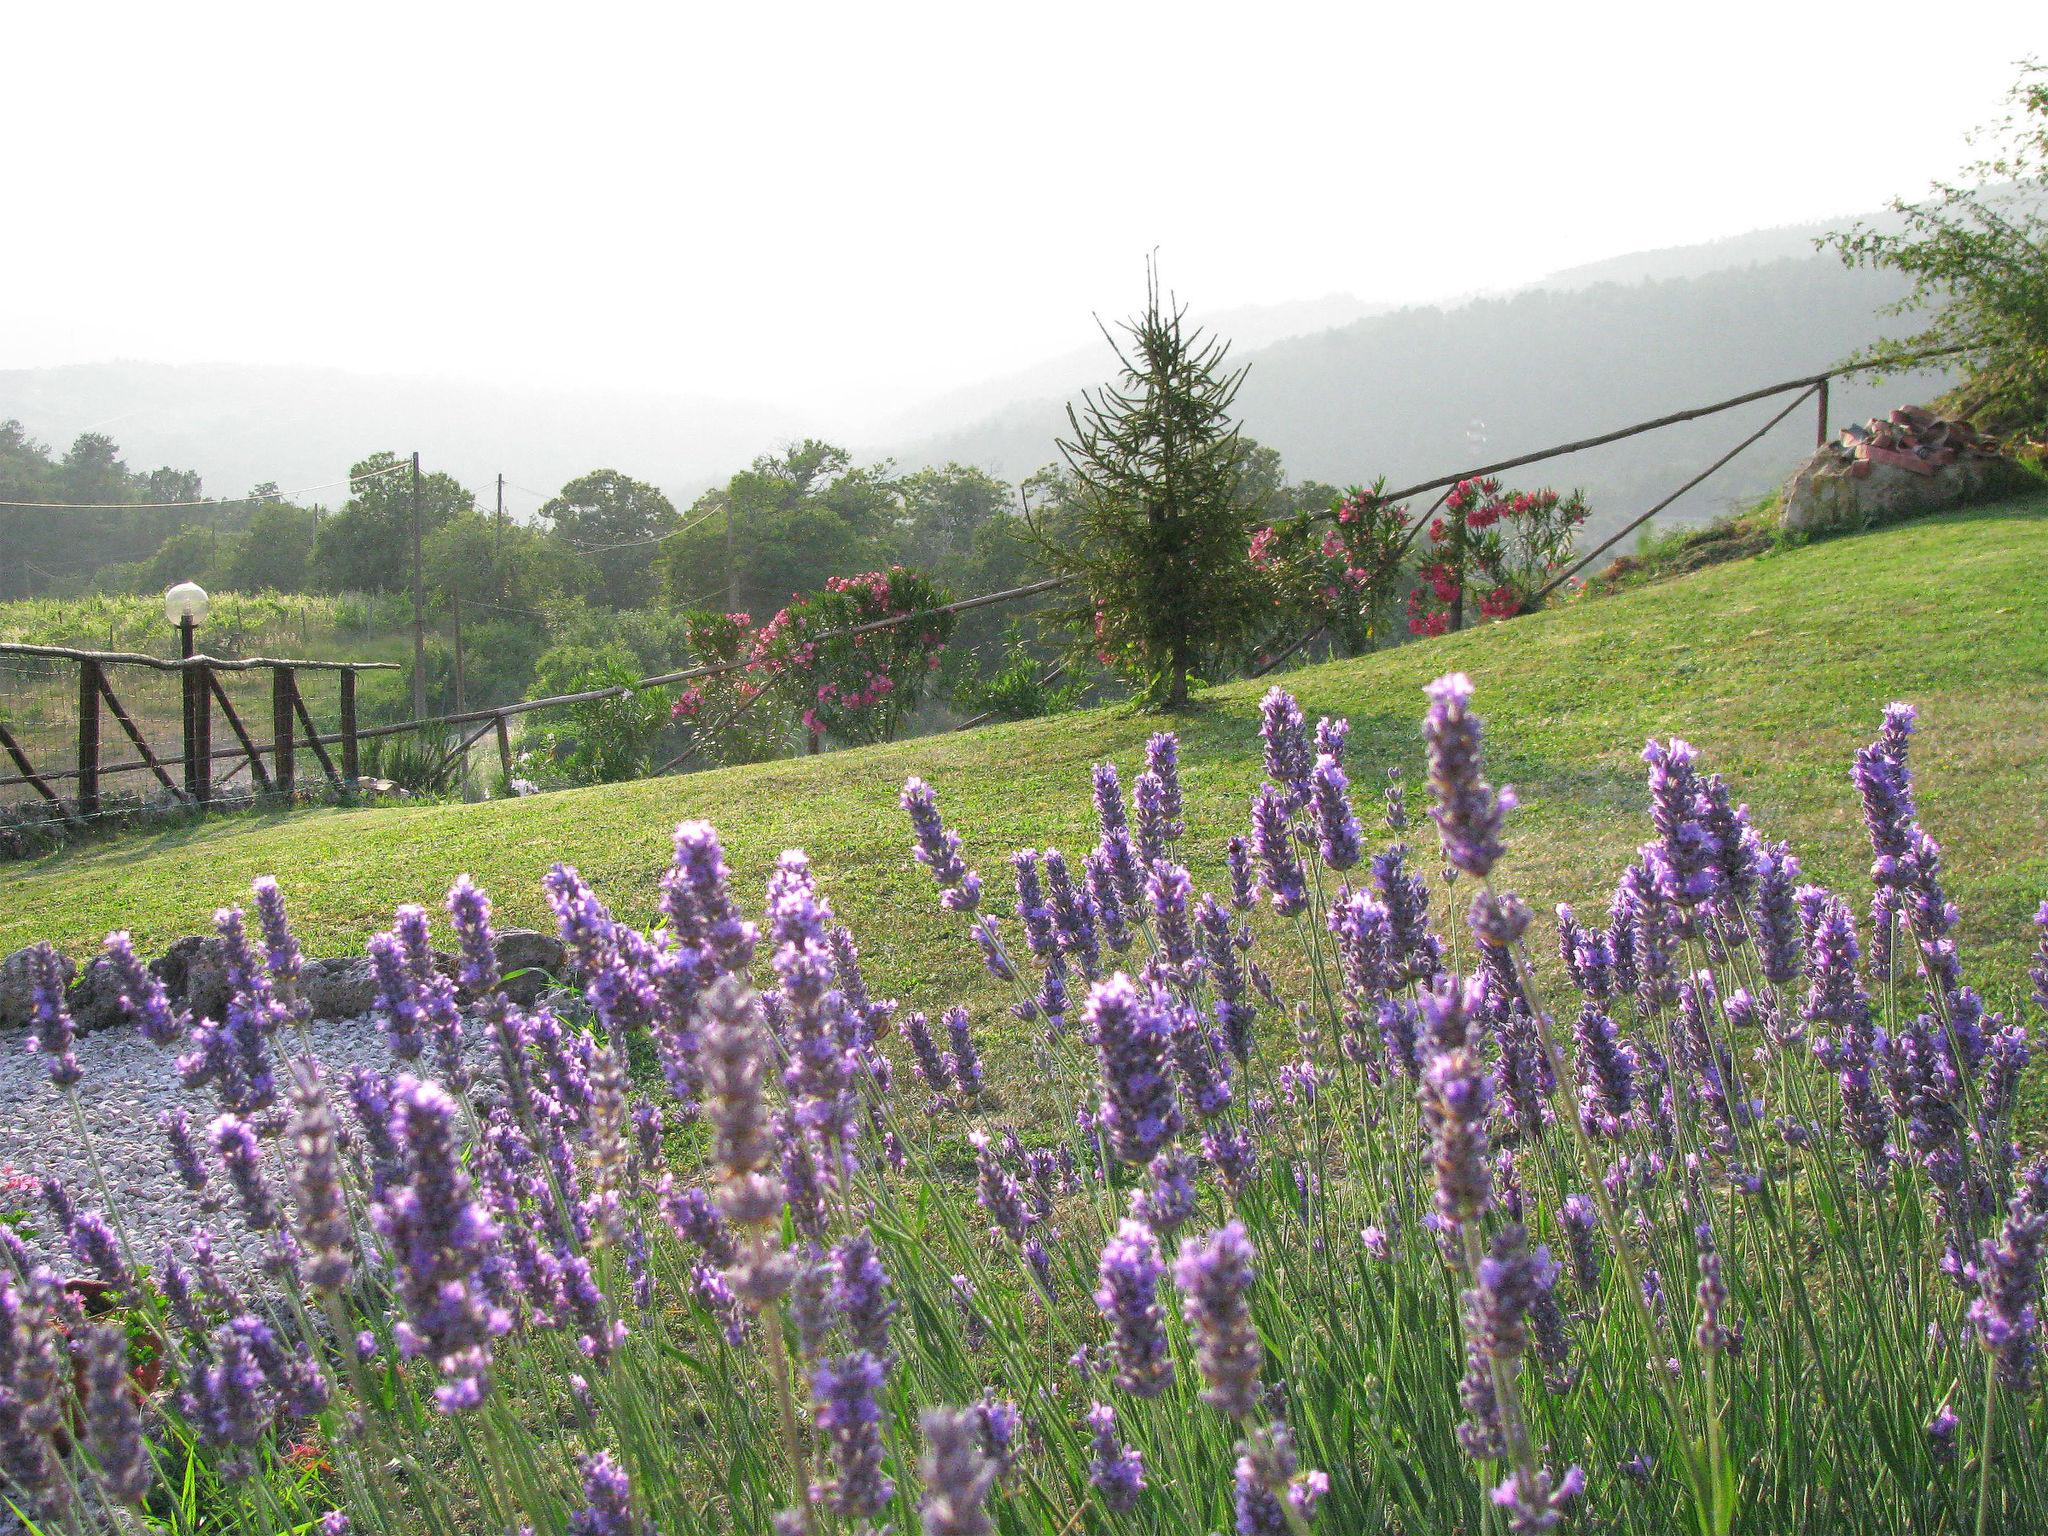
column 1154, row 523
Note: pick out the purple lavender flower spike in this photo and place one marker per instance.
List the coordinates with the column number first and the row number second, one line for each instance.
column 1538, row 1505
column 860, row 1289
column 281, row 955
column 1607, row 1074
column 185, row 1159
column 2008, row 1273
column 1237, row 859
column 1941, row 1435
column 1032, row 909
column 1166, row 1202
column 51, row 1031
column 1284, row 734
column 1202, row 1062
column 1109, row 800
column 1339, row 838
column 696, row 898
column 227, row 1401
column 1162, row 758
column 1168, row 889
column 1777, row 914
column 1711, row 1334
column 1105, row 899
column 1148, row 805
column 607, row 1500
column 1686, row 856
column 1270, row 1484
column 1073, row 915
column 956, row 1474
column 925, row 1059
column 963, row 1061
column 1333, row 734
column 113, row 1419
column 1580, row 1222
column 938, row 849
column 438, row 1236
column 998, row 1192
column 1128, row 1297
column 143, row 1000
column 1132, row 1033
column 469, row 914
column 234, row 1142
column 848, row 1415
column 1234, row 1154
column 1001, row 1423
column 1281, row 875
column 1115, row 1470
column 1416, row 951
column 1457, row 1099
column 1468, row 811
column 1214, row 1274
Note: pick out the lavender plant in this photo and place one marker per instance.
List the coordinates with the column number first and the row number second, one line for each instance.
column 1288, row 1266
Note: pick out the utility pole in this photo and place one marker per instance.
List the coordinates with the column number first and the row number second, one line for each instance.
column 455, row 600
column 419, row 605
column 732, row 573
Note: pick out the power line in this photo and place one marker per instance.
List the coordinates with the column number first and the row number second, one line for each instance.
column 602, row 549
column 203, row 501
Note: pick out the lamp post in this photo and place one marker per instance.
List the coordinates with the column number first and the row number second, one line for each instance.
column 185, row 606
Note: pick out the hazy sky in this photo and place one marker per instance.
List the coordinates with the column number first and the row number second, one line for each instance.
column 856, row 204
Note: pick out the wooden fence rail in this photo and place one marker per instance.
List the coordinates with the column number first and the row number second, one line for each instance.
column 201, row 695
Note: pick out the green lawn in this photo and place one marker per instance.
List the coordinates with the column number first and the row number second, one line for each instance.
column 1775, row 667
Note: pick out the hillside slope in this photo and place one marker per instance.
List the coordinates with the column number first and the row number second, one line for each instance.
column 1423, row 390
column 1777, row 668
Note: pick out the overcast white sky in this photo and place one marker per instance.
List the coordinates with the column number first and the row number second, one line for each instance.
column 825, row 205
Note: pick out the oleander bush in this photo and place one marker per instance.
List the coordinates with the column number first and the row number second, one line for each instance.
column 1368, row 1218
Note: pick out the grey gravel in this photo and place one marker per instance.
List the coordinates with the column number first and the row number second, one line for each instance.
column 127, row 1086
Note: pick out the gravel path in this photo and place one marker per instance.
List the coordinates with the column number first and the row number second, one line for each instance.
column 128, row 1084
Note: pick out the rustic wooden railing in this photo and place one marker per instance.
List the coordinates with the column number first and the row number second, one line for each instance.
column 201, row 697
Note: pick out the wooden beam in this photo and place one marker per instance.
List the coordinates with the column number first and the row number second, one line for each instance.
column 35, row 780
column 283, row 685
column 219, row 663
column 351, row 758
column 249, row 748
column 88, row 737
column 142, row 746
column 313, row 738
column 199, row 747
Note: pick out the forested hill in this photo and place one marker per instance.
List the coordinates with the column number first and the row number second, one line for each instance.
column 1423, row 391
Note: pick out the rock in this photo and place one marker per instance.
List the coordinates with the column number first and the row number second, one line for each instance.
column 17, row 991
column 341, row 988
column 195, row 974
column 1833, row 494
column 95, row 998
column 539, row 956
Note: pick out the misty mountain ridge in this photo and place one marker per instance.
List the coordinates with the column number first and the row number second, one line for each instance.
column 1343, row 388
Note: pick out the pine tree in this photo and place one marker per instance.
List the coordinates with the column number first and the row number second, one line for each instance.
column 1154, row 522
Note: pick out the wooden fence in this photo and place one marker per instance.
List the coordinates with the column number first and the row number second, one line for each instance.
column 188, row 776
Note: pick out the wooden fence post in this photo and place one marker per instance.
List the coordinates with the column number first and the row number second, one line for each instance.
column 1820, row 436
column 504, row 749
column 88, row 737
column 283, row 728
column 350, row 763
column 199, row 733
column 1458, row 568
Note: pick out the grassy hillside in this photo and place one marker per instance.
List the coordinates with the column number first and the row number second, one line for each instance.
column 1776, row 668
